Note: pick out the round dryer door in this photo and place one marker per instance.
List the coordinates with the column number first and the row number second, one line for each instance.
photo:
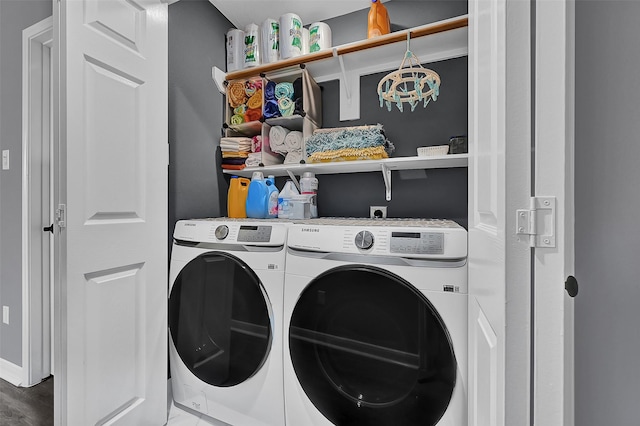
column 370, row 349
column 219, row 319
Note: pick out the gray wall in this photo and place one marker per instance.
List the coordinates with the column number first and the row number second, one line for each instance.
column 196, row 43
column 607, row 204
column 15, row 15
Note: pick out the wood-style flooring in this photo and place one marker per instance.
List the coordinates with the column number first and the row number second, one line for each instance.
column 26, row 406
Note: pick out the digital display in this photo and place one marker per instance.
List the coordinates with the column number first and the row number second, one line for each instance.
column 248, row 228
column 405, row 234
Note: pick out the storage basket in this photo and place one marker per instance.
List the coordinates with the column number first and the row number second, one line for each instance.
column 428, row 151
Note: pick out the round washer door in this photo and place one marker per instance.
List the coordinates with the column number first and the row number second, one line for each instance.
column 219, row 319
column 370, row 349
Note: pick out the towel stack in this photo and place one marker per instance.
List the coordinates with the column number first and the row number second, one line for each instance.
column 235, row 151
column 347, row 144
column 286, row 142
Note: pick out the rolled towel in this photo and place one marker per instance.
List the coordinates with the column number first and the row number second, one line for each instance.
column 270, row 91
column 271, row 109
column 237, row 119
column 284, row 90
column 253, row 114
column 293, row 157
column 293, row 141
column 254, row 159
column 236, row 94
column 286, row 106
column 277, row 135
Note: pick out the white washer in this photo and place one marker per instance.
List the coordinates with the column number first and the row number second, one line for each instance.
column 376, row 323
column 225, row 319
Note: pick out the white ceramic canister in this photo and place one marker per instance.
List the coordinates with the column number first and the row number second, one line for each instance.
column 290, row 36
column 251, row 46
column 319, row 37
column 270, row 41
column 235, row 50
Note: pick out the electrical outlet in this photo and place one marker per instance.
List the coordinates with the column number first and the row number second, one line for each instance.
column 377, row 212
column 5, row 314
column 5, row 159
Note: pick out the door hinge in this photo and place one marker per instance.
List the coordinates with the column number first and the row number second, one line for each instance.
column 61, row 216
column 538, row 222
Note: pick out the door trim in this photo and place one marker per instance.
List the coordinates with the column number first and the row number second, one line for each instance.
column 36, row 299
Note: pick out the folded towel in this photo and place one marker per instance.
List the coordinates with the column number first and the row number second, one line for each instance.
column 234, row 161
column 293, row 157
column 233, row 166
column 235, row 144
column 348, row 154
column 233, row 154
column 256, row 143
column 277, row 135
column 352, row 137
column 293, row 141
column 254, row 159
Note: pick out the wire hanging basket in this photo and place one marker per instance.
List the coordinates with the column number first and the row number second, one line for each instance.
column 411, row 83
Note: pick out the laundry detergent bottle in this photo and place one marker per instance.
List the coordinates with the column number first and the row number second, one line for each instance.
column 257, row 197
column 285, row 200
column 272, row 204
column 378, row 20
column 237, row 197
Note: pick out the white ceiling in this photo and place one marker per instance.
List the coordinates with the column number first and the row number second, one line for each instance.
column 243, row 12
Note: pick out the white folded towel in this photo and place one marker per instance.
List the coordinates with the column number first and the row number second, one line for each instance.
column 293, row 157
column 254, row 159
column 293, row 141
column 277, row 135
column 235, row 144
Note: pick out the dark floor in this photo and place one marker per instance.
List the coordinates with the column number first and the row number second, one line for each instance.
column 26, row 406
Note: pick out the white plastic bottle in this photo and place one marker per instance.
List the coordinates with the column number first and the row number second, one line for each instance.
column 309, row 186
column 284, row 200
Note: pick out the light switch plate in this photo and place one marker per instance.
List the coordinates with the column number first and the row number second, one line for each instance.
column 5, row 159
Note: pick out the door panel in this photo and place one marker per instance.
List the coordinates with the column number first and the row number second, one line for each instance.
column 111, row 147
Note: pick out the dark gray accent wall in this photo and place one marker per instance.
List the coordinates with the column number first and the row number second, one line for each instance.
column 415, row 193
column 15, row 15
column 607, row 198
column 196, row 44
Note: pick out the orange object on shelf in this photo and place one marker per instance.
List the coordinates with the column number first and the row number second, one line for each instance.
column 378, row 20
column 237, row 197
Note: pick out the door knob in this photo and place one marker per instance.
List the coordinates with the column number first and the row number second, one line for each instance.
column 48, row 228
column 571, row 285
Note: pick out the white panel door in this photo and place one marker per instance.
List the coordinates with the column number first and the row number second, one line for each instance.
column 111, row 286
column 499, row 184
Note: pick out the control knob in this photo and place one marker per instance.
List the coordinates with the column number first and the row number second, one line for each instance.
column 364, row 240
column 222, row 231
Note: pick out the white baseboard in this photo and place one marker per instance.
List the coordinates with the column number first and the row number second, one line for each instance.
column 10, row 372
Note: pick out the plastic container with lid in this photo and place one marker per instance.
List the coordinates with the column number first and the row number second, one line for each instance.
column 237, row 197
column 257, row 197
column 284, row 200
column 309, row 186
column 378, row 20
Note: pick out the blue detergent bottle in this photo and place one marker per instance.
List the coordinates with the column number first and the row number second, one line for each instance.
column 272, row 203
column 257, row 197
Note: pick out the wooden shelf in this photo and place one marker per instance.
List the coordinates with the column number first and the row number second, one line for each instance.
column 457, row 41
column 385, row 166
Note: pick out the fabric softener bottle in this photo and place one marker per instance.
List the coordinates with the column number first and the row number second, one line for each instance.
column 378, row 20
column 257, row 197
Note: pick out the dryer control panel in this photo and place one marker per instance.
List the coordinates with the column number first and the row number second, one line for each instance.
column 228, row 231
column 417, row 242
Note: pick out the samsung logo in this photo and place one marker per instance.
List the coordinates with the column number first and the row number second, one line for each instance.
column 310, row 229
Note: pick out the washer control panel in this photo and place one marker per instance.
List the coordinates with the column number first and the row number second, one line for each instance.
column 254, row 234
column 417, row 242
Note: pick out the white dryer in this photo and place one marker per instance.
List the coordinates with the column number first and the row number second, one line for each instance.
column 376, row 323
column 225, row 319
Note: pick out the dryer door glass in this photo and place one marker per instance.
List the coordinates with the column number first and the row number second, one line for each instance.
column 219, row 319
column 370, row 349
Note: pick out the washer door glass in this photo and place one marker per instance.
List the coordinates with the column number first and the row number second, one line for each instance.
column 219, row 319
column 370, row 349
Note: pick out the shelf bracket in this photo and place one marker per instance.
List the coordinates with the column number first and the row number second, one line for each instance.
column 344, row 72
column 386, row 175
